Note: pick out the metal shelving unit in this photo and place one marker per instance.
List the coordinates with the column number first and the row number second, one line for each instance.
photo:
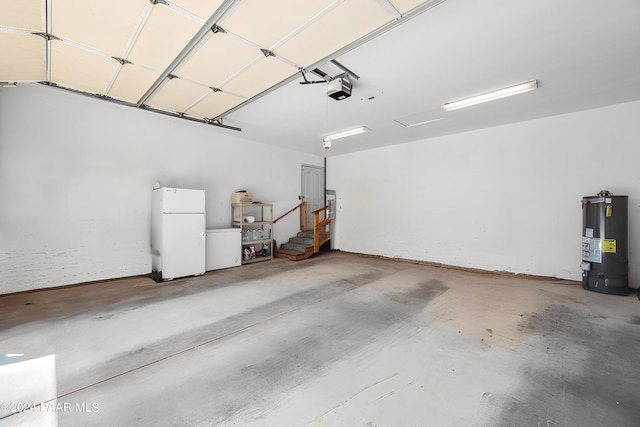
column 257, row 235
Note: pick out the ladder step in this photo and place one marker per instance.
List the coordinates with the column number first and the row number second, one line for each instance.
column 291, row 255
column 302, row 241
column 294, row 247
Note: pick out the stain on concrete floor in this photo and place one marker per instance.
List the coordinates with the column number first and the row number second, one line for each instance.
column 342, row 340
column 582, row 373
column 319, row 341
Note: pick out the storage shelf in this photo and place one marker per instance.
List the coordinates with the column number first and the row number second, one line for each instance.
column 263, row 213
column 248, row 242
column 256, row 259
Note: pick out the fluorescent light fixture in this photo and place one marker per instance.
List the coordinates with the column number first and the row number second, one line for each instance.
column 491, row 96
column 345, row 133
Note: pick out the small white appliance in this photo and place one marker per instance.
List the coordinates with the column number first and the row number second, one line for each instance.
column 178, row 232
column 224, row 248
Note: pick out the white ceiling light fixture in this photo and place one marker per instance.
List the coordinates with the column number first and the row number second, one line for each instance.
column 491, row 96
column 345, row 133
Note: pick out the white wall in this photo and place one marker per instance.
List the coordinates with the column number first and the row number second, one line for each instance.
column 504, row 199
column 76, row 176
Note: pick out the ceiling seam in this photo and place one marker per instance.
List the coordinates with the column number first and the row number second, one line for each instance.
column 249, row 43
column 215, row 89
column 83, row 47
column 195, row 40
column 13, row 30
column 134, row 37
column 114, row 76
column 202, row 98
column 186, row 13
column 248, row 65
column 307, row 24
column 127, row 49
column 47, row 43
column 391, row 8
column 229, row 12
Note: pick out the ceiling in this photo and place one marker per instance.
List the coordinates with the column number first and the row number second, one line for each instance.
column 240, row 63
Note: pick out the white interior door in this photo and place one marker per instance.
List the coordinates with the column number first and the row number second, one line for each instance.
column 312, row 190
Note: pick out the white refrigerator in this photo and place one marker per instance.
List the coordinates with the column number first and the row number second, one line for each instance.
column 178, row 232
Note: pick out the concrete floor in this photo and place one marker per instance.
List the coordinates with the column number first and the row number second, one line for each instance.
column 336, row 340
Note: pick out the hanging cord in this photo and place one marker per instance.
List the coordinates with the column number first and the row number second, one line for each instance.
column 326, row 99
column 327, row 144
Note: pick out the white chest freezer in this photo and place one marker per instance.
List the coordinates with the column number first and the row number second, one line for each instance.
column 224, row 248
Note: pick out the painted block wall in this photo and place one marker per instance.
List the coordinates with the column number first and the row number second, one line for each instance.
column 76, row 176
column 500, row 199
